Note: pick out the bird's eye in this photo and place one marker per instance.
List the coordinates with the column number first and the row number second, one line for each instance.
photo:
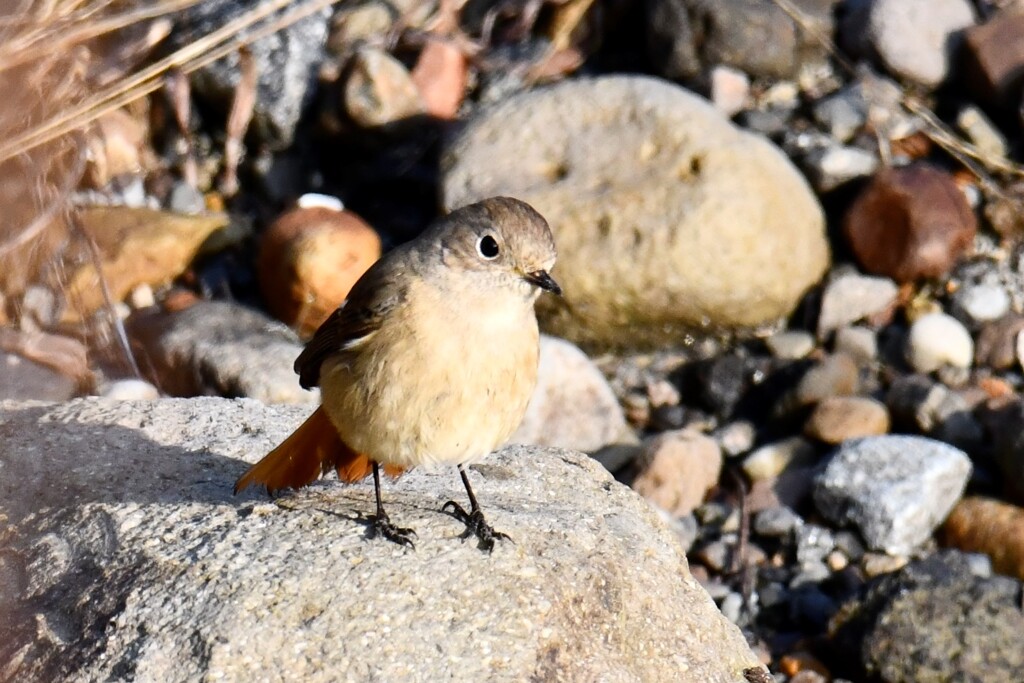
column 487, row 247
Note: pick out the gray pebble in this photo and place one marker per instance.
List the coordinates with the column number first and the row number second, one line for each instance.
column 813, row 544
column 978, row 304
column 857, row 342
column 979, row 564
column 833, row 165
column 843, row 113
column 776, row 522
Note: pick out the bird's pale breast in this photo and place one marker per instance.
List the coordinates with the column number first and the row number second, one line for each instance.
column 438, row 382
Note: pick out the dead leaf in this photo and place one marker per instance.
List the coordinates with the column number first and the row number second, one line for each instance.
column 136, row 246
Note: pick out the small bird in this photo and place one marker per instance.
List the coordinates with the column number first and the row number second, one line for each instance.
column 431, row 360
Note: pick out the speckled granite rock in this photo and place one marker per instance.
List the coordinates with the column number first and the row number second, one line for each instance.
column 125, row 556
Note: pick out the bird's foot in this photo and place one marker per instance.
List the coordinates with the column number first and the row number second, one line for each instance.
column 382, row 526
column 476, row 525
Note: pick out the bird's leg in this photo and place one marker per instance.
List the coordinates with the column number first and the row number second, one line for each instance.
column 382, row 526
column 474, row 519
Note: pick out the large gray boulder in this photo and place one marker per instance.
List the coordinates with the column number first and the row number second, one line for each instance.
column 124, row 556
column 668, row 218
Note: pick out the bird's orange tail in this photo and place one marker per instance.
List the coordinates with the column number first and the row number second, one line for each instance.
column 310, row 451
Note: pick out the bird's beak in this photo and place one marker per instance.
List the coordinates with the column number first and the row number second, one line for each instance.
column 541, row 279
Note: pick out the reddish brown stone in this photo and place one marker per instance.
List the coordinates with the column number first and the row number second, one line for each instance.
column 994, row 58
column 910, row 223
column 309, row 260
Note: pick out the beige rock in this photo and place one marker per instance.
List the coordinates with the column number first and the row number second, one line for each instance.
column 379, row 90
column 127, row 557
column 772, row 459
column 572, row 406
column 668, row 218
column 839, row 418
column 677, row 469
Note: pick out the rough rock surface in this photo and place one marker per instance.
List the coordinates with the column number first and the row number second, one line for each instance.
column 572, row 406
column 668, row 218
column 125, row 556
column 934, row 621
column 895, row 489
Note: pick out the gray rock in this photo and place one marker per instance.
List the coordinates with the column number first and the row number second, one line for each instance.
column 218, row 348
column 186, row 199
column 907, row 626
column 756, row 37
column 632, row 173
column 895, row 489
column 834, row 165
column 916, row 39
column 813, row 544
column 776, row 522
column 126, row 557
column 842, row 114
column 24, row 379
column 572, row 406
column 857, row 342
column 979, row 304
column 286, row 64
column 851, row 297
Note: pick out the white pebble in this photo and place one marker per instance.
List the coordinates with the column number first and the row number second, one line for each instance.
column 982, row 303
column 130, row 390
column 936, row 340
column 790, row 344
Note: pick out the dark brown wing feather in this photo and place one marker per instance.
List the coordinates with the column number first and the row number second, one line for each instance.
column 377, row 293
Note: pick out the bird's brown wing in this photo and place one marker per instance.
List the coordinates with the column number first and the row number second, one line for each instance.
column 377, row 294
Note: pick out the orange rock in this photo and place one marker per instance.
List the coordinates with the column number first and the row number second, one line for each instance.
column 796, row 662
column 995, row 387
column 440, row 75
column 309, row 260
column 983, row 525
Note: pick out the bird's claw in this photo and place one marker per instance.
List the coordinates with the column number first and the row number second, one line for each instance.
column 382, row 526
column 476, row 525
